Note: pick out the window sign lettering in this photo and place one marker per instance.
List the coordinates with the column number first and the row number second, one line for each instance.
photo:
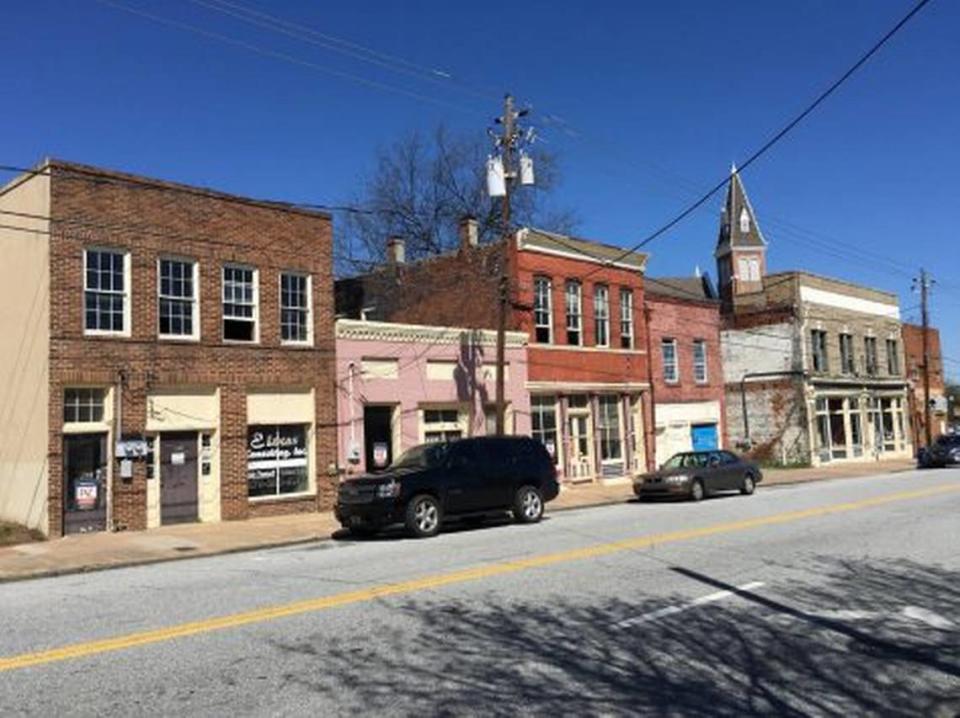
column 277, row 459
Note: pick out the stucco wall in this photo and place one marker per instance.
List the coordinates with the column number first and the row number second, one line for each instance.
column 24, row 353
column 409, row 388
column 766, row 348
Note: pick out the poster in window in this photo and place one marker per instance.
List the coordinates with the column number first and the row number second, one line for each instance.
column 277, row 459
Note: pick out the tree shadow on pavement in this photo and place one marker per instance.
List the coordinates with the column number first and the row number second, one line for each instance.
column 784, row 649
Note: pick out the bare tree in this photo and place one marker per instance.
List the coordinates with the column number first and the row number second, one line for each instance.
column 423, row 184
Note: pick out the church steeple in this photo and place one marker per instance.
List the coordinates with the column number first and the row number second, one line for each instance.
column 741, row 247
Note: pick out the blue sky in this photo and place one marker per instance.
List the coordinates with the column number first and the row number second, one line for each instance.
column 656, row 99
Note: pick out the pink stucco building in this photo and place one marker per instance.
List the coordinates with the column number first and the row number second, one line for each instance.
column 399, row 385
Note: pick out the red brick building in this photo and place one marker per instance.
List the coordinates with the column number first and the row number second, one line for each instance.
column 913, row 351
column 683, row 315
column 581, row 304
column 168, row 353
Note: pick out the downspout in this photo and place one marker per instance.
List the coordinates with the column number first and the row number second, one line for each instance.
column 111, row 450
column 651, row 431
column 743, row 393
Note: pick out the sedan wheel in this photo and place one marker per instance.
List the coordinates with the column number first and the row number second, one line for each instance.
column 696, row 490
column 749, row 485
column 528, row 505
column 423, row 516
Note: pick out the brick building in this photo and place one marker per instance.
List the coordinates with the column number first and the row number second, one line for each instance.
column 168, row 353
column 683, row 317
column 579, row 302
column 814, row 366
column 913, row 351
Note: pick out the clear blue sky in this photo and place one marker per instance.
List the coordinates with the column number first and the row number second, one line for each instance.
column 662, row 96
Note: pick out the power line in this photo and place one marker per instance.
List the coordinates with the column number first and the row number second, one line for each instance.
column 276, row 55
column 777, row 137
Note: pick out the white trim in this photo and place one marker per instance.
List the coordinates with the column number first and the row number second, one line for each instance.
column 549, row 308
column 604, row 289
column 127, row 293
column 255, row 292
column 582, row 386
column 308, row 342
column 836, row 300
column 406, row 333
column 195, row 314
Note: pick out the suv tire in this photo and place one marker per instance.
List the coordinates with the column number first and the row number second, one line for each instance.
column 528, row 505
column 423, row 516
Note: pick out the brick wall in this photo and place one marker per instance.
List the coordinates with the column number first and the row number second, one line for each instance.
column 160, row 219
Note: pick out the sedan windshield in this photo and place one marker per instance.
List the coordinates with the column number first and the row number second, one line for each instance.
column 685, row 461
column 421, row 457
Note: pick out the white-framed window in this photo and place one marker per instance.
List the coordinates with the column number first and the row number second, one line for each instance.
column 574, row 311
column 893, row 357
column 543, row 416
column 700, row 361
column 744, row 221
column 296, row 303
column 626, row 318
column 277, row 459
column 106, row 291
column 847, row 364
column 240, row 311
column 83, row 405
column 441, row 424
column 870, row 355
column 668, row 350
column 542, row 310
column 608, row 423
column 177, row 293
column 748, row 269
column 601, row 314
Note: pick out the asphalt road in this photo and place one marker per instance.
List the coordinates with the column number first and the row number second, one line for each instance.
column 833, row 598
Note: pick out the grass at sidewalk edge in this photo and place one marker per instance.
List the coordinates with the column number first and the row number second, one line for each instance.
column 93, row 568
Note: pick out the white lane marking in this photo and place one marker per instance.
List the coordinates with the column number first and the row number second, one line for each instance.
column 913, row 613
column 671, row 610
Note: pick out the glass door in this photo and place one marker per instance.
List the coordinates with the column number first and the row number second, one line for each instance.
column 84, row 483
column 580, row 435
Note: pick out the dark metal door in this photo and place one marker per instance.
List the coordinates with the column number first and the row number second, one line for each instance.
column 84, row 483
column 178, row 477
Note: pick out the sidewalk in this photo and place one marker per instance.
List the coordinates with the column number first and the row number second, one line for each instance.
column 93, row 552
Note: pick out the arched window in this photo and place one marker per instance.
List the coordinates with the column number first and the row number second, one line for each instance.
column 744, row 221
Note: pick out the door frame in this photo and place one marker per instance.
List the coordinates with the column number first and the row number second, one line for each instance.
column 159, row 471
column 107, row 460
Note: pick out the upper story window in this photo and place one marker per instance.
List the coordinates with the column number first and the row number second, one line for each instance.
column 83, row 406
column 179, row 309
column 744, row 221
column 818, row 346
column 295, row 325
column 239, row 304
column 700, row 361
column 668, row 350
column 626, row 318
column 601, row 313
column 846, row 354
column 893, row 357
column 542, row 310
column 106, row 295
column 870, row 355
column 574, row 311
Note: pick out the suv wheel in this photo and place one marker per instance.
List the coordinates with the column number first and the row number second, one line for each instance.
column 423, row 516
column 749, row 485
column 528, row 505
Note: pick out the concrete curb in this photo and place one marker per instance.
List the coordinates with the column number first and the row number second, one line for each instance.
column 299, row 541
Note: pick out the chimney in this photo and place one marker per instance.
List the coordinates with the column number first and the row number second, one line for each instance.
column 396, row 253
column 469, row 232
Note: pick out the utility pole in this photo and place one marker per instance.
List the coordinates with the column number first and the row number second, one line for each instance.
column 925, row 321
column 501, row 174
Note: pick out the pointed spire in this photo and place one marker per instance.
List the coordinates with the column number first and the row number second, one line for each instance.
column 738, row 222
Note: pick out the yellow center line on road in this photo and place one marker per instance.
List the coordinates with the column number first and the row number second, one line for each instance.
column 270, row 613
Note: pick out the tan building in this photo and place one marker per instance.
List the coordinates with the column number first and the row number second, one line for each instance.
column 814, row 367
column 167, row 353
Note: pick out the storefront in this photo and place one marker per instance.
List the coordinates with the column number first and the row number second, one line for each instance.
column 591, row 435
column 281, row 440
column 87, row 435
column 859, row 425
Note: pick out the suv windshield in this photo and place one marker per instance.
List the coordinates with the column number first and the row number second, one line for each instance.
column 421, row 457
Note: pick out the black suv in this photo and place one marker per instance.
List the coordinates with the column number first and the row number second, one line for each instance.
column 944, row 452
column 432, row 482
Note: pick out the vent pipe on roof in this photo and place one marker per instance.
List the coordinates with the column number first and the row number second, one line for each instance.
column 396, row 250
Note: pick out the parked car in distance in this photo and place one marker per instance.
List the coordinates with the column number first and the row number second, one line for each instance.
column 430, row 483
column 945, row 451
column 695, row 474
